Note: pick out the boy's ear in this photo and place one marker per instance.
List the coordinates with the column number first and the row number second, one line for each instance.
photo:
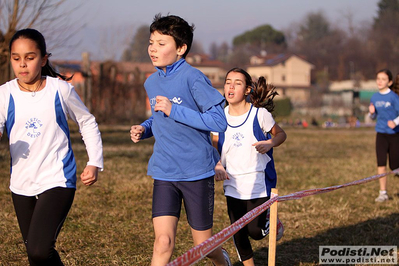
column 181, row 50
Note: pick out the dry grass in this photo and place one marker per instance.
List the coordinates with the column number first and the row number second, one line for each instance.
column 110, row 222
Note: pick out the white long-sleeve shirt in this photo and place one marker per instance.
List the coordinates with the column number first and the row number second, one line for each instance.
column 38, row 132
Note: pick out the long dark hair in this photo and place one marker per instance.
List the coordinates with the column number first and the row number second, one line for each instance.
column 262, row 93
column 37, row 37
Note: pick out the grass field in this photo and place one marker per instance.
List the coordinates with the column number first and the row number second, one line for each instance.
column 110, row 222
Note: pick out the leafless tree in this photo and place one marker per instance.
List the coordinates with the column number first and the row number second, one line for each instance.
column 51, row 17
column 112, row 38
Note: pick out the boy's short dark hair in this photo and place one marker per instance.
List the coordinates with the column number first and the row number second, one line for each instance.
column 176, row 27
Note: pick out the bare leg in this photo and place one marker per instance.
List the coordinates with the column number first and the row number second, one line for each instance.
column 215, row 256
column 165, row 234
column 382, row 180
column 249, row 262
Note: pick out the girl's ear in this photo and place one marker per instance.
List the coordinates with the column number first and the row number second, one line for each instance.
column 390, row 83
column 44, row 60
column 248, row 90
column 182, row 50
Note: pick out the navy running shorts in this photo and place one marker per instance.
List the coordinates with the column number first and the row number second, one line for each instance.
column 198, row 198
column 387, row 144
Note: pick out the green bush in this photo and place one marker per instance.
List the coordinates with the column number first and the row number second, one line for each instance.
column 282, row 107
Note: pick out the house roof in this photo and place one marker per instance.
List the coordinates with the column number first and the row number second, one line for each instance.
column 203, row 60
column 76, row 66
column 275, row 59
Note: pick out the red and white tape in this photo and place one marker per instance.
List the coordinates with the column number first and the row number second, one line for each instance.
column 199, row 252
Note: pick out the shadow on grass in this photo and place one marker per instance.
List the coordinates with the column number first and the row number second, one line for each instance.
column 382, row 231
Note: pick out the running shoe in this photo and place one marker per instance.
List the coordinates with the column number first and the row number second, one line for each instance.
column 226, row 257
column 280, row 228
column 382, row 198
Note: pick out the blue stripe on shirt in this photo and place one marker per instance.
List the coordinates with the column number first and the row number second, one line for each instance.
column 69, row 160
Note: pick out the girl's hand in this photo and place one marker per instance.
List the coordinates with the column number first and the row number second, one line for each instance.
column 220, row 172
column 89, row 175
column 136, row 132
column 371, row 108
column 391, row 124
column 163, row 104
column 263, row 146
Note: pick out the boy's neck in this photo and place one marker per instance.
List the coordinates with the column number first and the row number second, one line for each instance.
column 170, row 68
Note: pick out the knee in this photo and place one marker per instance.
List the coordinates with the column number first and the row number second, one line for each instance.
column 38, row 254
column 163, row 243
column 255, row 233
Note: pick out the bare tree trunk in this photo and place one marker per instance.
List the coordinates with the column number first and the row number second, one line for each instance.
column 87, row 89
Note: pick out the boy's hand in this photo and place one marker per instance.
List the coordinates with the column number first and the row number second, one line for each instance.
column 89, row 175
column 220, row 172
column 163, row 104
column 263, row 146
column 136, row 132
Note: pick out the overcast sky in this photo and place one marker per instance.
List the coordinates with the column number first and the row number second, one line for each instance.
column 110, row 24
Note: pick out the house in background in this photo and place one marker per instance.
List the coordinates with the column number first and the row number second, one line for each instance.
column 112, row 91
column 290, row 73
column 349, row 97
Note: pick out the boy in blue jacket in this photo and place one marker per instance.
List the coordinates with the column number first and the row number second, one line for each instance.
column 185, row 109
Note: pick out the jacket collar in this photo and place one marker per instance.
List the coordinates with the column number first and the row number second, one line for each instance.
column 171, row 68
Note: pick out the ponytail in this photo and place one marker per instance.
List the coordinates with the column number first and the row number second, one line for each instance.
column 262, row 94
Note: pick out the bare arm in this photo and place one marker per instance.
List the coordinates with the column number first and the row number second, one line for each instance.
column 279, row 136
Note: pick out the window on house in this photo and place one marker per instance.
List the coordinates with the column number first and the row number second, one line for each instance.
column 283, row 77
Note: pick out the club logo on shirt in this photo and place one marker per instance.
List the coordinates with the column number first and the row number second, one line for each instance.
column 238, row 137
column 33, row 126
column 176, row 100
column 383, row 104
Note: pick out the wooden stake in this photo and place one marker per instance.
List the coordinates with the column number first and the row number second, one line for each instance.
column 273, row 229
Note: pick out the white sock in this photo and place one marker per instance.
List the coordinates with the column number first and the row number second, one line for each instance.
column 383, row 192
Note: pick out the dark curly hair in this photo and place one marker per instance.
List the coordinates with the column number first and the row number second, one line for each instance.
column 176, row 27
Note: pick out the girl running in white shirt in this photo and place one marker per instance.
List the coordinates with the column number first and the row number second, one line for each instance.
column 34, row 108
column 246, row 164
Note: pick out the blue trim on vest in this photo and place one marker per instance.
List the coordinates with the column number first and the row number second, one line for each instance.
column 69, row 160
column 249, row 112
column 270, row 170
column 10, row 121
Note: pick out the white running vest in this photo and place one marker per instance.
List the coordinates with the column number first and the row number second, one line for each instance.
column 244, row 165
